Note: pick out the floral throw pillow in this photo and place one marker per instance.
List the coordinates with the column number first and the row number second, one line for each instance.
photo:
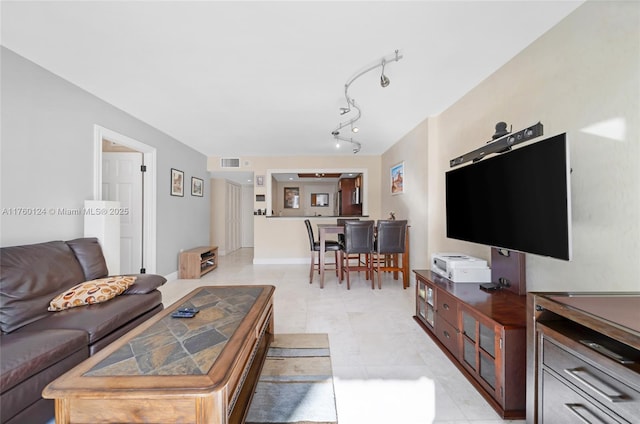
column 89, row 292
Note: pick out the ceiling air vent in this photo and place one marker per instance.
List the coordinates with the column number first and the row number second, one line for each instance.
column 230, row 163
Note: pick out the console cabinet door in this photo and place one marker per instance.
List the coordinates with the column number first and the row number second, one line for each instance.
column 425, row 302
column 482, row 351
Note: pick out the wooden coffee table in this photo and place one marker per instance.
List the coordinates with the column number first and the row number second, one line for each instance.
column 169, row 370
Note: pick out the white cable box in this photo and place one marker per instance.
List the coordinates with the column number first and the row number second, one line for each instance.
column 461, row 268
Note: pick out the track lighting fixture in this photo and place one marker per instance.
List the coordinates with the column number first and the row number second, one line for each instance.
column 384, row 82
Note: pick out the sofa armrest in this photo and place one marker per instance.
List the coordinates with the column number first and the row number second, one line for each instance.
column 145, row 283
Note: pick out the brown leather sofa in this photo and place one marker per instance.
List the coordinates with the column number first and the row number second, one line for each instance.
column 37, row 346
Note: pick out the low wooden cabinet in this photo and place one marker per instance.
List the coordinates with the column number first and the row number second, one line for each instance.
column 483, row 333
column 194, row 263
column 584, row 363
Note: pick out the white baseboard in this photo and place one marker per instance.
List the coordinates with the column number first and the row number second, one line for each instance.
column 171, row 277
column 287, row 261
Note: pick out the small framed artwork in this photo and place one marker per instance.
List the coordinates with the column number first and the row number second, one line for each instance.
column 177, row 182
column 397, row 178
column 319, row 199
column 197, row 187
column 292, row 197
column 259, row 180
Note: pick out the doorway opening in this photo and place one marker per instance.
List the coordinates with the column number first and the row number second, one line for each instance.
column 138, row 240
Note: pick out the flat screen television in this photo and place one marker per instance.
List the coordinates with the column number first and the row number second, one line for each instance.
column 519, row 200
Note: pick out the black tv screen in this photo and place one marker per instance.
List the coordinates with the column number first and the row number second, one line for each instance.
column 519, row 200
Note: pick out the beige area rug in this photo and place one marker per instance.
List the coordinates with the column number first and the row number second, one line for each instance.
column 296, row 383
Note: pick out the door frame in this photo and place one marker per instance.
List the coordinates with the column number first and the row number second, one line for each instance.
column 149, row 197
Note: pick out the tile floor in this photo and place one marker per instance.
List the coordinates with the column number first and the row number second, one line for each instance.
column 387, row 370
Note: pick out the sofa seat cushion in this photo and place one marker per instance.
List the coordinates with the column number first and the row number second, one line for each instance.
column 30, row 361
column 90, row 292
column 31, row 276
column 101, row 319
column 27, row 353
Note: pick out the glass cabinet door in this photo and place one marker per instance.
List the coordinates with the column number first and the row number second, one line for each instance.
column 487, row 340
column 425, row 302
column 469, row 340
column 430, row 296
column 479, row 347
column 488, row 370
column 430, row 308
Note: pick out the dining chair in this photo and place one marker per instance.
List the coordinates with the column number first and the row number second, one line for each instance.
column 340, row 222
column 358, row 239
column 314, row 246
column 389, row 247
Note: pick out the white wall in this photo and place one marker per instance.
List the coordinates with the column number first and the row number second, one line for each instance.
column 583, row 72
column 47, row 162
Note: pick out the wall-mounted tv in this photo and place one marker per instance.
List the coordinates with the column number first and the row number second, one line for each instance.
column 519, row 200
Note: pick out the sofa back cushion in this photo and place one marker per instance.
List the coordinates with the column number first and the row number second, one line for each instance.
column 89, row 253
column 32, row 275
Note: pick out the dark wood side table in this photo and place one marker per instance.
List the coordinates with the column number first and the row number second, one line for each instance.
column 583, row 357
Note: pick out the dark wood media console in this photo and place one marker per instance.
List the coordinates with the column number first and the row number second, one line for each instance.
column 483, row 333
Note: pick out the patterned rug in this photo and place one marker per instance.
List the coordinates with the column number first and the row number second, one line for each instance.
column 296, row 383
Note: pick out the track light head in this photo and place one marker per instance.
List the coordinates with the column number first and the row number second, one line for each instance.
column 384, row 80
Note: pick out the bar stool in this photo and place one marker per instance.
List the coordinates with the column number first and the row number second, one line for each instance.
column 389, row 245
column 314, row 246
column 358, row 239
column 340, row 222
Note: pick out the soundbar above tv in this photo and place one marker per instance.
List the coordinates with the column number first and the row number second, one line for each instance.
column 519, row 200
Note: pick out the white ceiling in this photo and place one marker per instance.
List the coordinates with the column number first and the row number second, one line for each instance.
column 267, row 78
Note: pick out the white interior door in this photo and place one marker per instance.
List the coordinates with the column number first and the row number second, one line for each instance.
column 122, row 181
column 246, row 212
column 233, row 217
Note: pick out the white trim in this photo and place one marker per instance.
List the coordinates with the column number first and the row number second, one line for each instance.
column 150, row 186
column 287, row 261
column 281, row 261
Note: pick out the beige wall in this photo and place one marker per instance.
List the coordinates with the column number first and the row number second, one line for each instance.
column 282, row 239
column 306, row 189
column 412, row 205
column 582, row 72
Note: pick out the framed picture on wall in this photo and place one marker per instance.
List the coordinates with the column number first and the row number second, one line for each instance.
column 197, row 187
column 292, row 197
column 319, row 199
column 177, row 182
column 397, row 178
column 260, row 181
